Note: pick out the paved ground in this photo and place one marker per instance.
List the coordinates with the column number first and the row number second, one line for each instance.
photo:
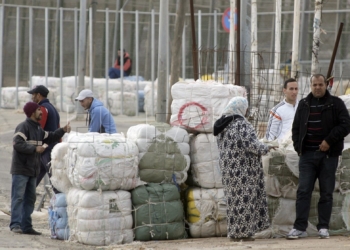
column 8, row 240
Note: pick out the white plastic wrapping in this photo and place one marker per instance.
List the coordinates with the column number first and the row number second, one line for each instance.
column 59, row 167
column 8, row 97
column 197, row 105
column 206, row 212
column 100, row 218
column 102, row 161
column 163, row 152
column 205, row 167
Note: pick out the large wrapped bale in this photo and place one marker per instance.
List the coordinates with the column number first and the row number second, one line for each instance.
column 282, row 212
column 8, row 97
column 100, row 218
column 157, row 212
column 100, row 86
column 59, row 167
column 206, row 212
column 344, row 170
column 280, row 180
column 23, row 98
column 346, row 100
column 58, row 217
column 197, row 105
column 336, row 223
column 283, row 220
column 102, row 162
column 205, row 167
column 68, row 103
column 150, row 106
column 164, row 152
column 115, row 103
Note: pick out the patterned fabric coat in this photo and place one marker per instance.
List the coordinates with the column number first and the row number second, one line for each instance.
column 243, row 179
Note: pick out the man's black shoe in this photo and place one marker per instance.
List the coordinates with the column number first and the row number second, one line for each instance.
column 32, row 232
column 17, row 230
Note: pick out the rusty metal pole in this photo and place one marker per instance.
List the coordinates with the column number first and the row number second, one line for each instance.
column 194, row 45
column 335, row 49
column 238, row 44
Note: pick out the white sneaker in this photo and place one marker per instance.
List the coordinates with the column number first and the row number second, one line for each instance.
column 295, row 234
column 323, row 233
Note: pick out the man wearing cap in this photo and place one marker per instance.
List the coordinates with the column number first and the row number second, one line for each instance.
column 114, row 72
column 29, row 142
column 50, row 121
column 99, row 118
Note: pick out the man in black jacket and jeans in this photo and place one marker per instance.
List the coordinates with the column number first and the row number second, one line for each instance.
column 29, row 142
column 320, row 124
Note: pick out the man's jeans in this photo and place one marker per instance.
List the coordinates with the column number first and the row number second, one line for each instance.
column 114, row 73
column 313, row 165
column 23, row 198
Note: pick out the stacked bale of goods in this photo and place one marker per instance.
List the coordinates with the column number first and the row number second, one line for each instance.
column 281, row 175
column 63, row 91
column 58, row 217
column 163, row 163
column 59, row 167
column 163, row 152
column 197, row 105
column 100, row 168
column 150, row 93
column 157, row 212
column 115, row 105
column 100, row 218
column 102, row 162
column 8, row 97
column 205, row 200
column 206, row 212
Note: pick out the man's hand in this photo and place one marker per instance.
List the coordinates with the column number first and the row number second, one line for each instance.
column 67, row 128
column 272, row 147
column 40, row 149
column 324, row 146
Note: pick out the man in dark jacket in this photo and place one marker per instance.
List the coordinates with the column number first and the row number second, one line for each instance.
column 29, row 142
column 50, row 121
column 115, row 71
column 320, row 124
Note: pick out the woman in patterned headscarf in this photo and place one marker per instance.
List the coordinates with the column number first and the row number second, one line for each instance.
column 242, row 173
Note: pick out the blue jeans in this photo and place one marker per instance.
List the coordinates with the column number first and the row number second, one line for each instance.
column 23, row 198
column 115, row 73
column 312, row 166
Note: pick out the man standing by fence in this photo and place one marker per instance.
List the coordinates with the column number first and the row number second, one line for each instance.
column 282, row 115
column 321, row 122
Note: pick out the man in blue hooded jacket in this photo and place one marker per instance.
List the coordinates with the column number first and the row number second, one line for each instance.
column 99, row 118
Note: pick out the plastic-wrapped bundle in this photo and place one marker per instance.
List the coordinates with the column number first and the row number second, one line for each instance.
column 206, row 212
column 164, row 152
column 158, row 213
column 58, row 217
column 115, row 105
column 100, row 218
column 8, row 97
column 205, row 167
column 197, row 105
column 102, row 161
column 59, row 178
column 150, row 106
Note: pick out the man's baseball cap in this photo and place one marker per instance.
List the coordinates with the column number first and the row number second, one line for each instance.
column 83, row 94
column 41, row 89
